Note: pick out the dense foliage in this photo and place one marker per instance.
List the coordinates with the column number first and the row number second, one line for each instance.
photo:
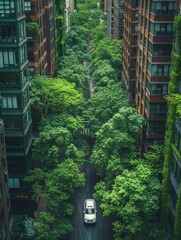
column 88, row 89
column 173, row 113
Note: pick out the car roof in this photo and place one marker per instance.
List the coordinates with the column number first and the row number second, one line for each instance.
column 89, row 203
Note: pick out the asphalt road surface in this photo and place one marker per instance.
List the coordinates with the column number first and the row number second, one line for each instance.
column 99, row 231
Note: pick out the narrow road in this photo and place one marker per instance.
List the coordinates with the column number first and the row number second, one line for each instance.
column 99, row 231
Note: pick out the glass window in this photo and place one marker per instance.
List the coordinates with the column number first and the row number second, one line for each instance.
column 159, row 69
column 20, row 7
column 156, row 109
column 8, row 58
column 14, row 183
column 9, row 102
column 156, row 127
column 7, row 8
column 23, row 54
column 27, row 6
column 21, row 30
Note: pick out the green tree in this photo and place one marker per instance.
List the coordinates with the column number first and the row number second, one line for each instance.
column 54, row 96
column 56, row 187
column 74, row 39
column 134, row 200
column 74, row 72
column 107, row 49
column 51, row 227
column 56, row 140
column 50, row 146
column 116, row 140
column 71, row 123
column 153, row 159
column 103, row 104
column 99, row 32
column 103, row 68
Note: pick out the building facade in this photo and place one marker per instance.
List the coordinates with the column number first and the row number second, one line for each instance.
column 5, row 206
column 130, row 48
column 40, row 33
column 50, row 40
column 14, row 88
column 37, row 51
column 155, row 37
column 110, row 17
column 174, row 195
column 118, row 19
column 69, row 9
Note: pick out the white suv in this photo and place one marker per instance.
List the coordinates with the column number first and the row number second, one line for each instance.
column 90, row 211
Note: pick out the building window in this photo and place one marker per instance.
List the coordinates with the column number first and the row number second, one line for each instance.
column 31, row 71
column 8, row 58
column 23, row 54
column 136, row 28
column 14, row 183
column 157, row 89
column 155, row 127
column 158, row 69
column 10, row 102
column 20, row 7
column 27, row 6
column 163, row 7
column 160, row 49
column 158, row 109
column 161, row 29
column 26, row 118
column 7, row 8
column 21, row 30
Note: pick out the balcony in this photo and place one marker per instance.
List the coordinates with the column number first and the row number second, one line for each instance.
column 7, row 15
column 8, row 39
column 164, row 12
column 163, row 34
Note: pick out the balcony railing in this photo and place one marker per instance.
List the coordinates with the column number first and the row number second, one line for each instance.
column 9, row 85
column 160, row 53
column 8, row 39
column 164, row 12
column 159, row 33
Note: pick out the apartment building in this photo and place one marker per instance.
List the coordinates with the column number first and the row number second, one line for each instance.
column 40, row 35
column 110, row 16
column 118, row 19
column 14, row 88
column 50, row 39
column 36, row 45
column 5, row 206
column 155, row 38
column 129, row 50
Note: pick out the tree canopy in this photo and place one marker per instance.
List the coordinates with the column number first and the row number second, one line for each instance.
column 54, row 95
column 115, row 141
column 134, row 199
column 58, row 187
column 103, row 104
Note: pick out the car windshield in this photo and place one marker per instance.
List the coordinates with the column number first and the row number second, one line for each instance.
column 89, row 211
